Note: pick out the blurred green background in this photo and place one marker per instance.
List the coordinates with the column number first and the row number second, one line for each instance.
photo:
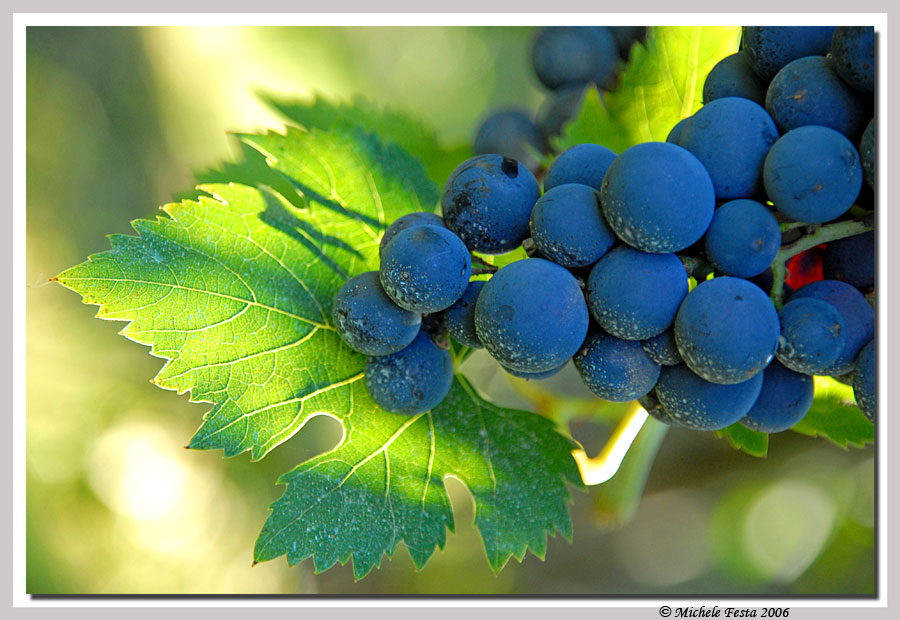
column 118, row 119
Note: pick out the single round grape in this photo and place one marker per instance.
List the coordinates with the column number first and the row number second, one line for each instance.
column 567, row 226
column 867, row 154
column 851, row 260
column 734, row 77
column 663, row 349
column 658, row 197
column 864, row 381
column 509, row 132
column 528, row 376
column 769, row 48
column 652, row 406
column 853, row 56
column 674, row 136
column 696, row 403
column 635, row 295
column 615, row 369
column 531, row 315
column 727, row 330
column 410, row 220
column 813, row 335
column 487, row 202
column 564, row 55
column 412, row 380
column 730, row 137
column 809, row 92
column 585, row 164
column 858, row 315
column 812, row 174
column 743, row 239
column 784, row 399
column 367, row 319
column 425, row 268
column 461, row 316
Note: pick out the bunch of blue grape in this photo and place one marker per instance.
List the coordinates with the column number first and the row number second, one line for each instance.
column 651, row 269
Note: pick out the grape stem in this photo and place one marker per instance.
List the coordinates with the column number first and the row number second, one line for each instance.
column 819, row 235
column 481, row 266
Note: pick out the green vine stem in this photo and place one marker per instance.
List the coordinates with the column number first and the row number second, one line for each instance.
column 822, row 234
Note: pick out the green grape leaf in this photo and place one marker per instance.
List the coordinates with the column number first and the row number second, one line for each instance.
column 384, row 484
column 661, row 84
column 234, row 290
column 746, row 439
column 835, row 416
column 408, row 132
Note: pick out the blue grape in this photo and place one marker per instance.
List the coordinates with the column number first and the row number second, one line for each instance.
column 658, row 197
column 864, row 380
column 851, row 260
column 867, row 153
column 730, row 137
column 813, row 335
column 743, row 239
column 367, row 319
column 812, row 174
column 853, row 56
column 615, row 369
column 734, row 77
column 585, row 164
column 511, row 133
column 461, row 316
column 410, row 220
column 727, row 330
column 858, row 315
column 531, row 315
column 412, row 380
column 487, row 202
column 769, row 48
column 565, row 55
column 425, row 268
column 663, row 349
column 674, row 136
column 809, row 92
column 784, row 399
column 567, row 226
column 528, row 376
column 635, row 295
column 696, row 403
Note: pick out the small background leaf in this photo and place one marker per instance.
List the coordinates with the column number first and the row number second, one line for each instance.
column 745, row 439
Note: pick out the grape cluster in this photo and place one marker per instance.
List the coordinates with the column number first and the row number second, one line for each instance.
column 651, row 269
